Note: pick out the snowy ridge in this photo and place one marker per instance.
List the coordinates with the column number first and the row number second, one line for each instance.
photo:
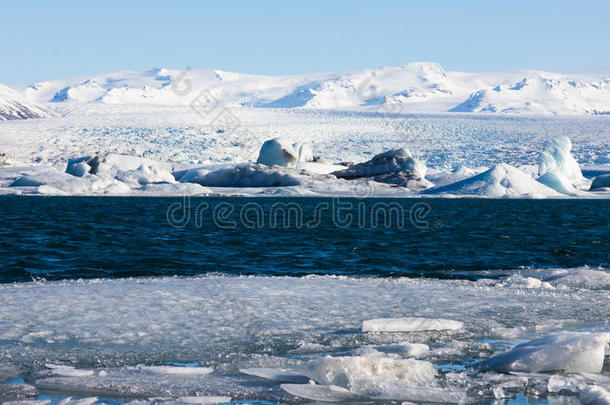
column 413, row 87
column 14, row 107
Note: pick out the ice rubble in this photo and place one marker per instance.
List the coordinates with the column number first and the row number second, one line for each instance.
column 570, row 352
column 45, row 320
column 498, row 182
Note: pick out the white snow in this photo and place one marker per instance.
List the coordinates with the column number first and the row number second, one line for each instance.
column 13, row 106
column 409, row 324
column 570, row 352
column 414, row 87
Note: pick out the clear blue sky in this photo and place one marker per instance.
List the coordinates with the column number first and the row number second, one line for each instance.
column 44, row 40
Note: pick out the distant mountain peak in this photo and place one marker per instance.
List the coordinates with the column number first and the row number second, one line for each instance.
column 409, row 88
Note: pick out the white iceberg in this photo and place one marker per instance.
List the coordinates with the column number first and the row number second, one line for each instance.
column 54, row 182
column 410, row 324
column 395, row 166
column 500, row 181
column 132, row 170
column 304, row 152
column 558, row 169
column 278, row 152
column 570, row 352
column 244, row 175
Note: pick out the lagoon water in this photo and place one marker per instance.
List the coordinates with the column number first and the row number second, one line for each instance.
column 89, row 237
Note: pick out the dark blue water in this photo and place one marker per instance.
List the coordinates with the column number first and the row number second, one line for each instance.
column 84, row 237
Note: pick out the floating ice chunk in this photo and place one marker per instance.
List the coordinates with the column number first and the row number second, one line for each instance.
column 79, row 401
column 558, row 169
column 422, row 394
column 176, row 370
column 594, row 395
column 583, row 278
column 244, row 175
column 409, row 324
column 278, row 152
column 324, row 393
column 367, row 376
column 405, row 349
column 304, row 152
column 145, row 174
column 498, row 182
column 7, row 160
column 602, row 181
column 558, row 383
column 558, row 183
column 111, row 163
column 320, row 168
column 28, row 402
column 55, row 182
column 207, row 400
column 395, row 166
column 78, row 167
column 69, row 371
column 442, row 177
column 519, row 281
column 570, row 352
column 278, row 375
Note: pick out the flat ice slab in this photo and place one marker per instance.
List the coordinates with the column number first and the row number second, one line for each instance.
column 409, row 324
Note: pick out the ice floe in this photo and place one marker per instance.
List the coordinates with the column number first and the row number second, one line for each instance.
column 94, row 335
column 409, row 324
column 570, row 352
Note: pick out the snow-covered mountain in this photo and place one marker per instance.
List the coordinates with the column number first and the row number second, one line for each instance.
column 414, row 87
column 13, row 106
